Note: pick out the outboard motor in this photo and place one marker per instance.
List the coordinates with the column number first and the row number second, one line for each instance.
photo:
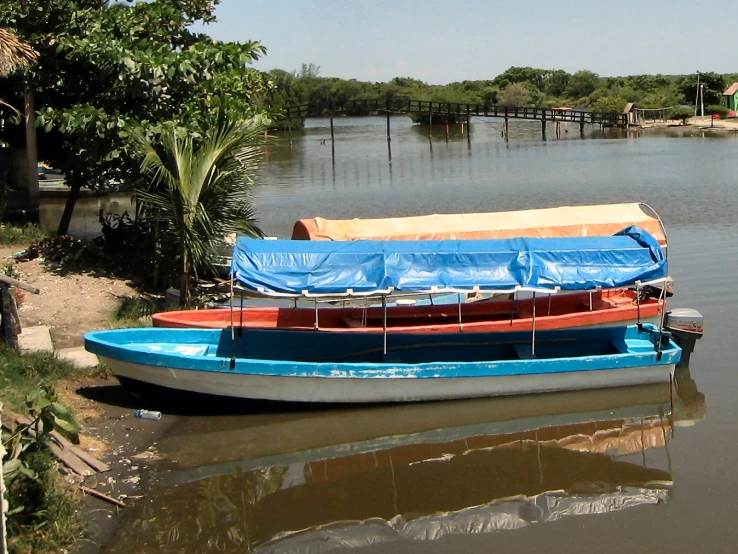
column 686, row 325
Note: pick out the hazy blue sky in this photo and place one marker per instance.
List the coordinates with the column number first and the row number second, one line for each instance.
column 452, row 40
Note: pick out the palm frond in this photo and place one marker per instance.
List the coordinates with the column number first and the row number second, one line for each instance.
column 200, row 188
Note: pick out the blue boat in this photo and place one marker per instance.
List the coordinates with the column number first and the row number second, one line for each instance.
column 312, row 366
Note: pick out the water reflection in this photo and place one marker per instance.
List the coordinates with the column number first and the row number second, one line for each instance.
column 312, row 481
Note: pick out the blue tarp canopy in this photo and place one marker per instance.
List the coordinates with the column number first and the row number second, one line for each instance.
column 354, row 268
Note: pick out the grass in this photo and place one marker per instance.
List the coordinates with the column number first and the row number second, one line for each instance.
column 19, row 375
column 134, row 312
column 48, row 521
column 14, row 235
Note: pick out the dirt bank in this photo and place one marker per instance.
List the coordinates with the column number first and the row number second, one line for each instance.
column 73, row 301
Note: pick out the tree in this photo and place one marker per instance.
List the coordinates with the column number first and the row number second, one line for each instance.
column 557, row 82
column 199, row 187
column 713, row 85
column 583, row 83
column 611, row 105
column 681, row 113
column 106, row 66
column 514, row 94
column 308, row 70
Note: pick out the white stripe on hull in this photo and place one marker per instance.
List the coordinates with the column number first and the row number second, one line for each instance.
column 317, row 389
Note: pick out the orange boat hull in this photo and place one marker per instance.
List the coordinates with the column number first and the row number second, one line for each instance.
column 601, row 308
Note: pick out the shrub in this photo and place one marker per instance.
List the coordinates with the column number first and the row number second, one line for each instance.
column 717, row 109
column 681, row 113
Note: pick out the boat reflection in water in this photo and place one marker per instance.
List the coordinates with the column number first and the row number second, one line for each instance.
column 315, row 481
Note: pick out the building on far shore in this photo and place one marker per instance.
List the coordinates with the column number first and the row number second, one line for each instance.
column 632, row 114
column 730, row 97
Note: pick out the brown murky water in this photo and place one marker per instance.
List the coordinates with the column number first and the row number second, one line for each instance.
column 624, row 470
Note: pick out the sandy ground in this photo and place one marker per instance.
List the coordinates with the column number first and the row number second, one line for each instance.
column 70, row 304
column 702, row 123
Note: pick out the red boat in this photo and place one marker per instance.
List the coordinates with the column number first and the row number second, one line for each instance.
column 557, row 311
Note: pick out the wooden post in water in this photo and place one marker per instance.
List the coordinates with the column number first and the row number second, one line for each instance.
column 468, row 128
column 505, row 128
column 430, row 131
column 581, row 129
column 289, row 131
column 389, row 135
column 543, row 126
column 447, row 131
column 333, row 135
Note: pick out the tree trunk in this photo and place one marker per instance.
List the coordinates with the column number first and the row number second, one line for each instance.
column 72, row 197
column 184, row 280
column 29, row 109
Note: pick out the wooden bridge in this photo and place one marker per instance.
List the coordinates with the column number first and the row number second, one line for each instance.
column 399, row 105
column 454, row 110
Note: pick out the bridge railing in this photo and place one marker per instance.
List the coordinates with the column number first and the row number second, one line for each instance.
column 407, row 105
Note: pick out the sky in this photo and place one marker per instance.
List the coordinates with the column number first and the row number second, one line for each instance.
column 440, row 42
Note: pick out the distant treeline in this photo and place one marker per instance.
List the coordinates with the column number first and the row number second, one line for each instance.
column 518, row 86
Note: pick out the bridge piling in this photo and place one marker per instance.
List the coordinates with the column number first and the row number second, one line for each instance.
column 543, row 128
column 389, row 135
column 468, row 129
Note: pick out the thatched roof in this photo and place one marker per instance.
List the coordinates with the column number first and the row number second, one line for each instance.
column 14, row 53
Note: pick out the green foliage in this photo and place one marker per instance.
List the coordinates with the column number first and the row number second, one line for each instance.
column 717, row 109
column 514, row 94
column 105, row 67
column 21, row 375
column 583, row 83
column 133, row 310
column 681, row 113
column 13, row 235
column 713, row 85
column 200, row 186
column 611, row 105
column 44, row 512
column 546, row 88
column 38, row 504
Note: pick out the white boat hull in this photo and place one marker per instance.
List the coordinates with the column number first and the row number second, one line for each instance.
column 388, row 389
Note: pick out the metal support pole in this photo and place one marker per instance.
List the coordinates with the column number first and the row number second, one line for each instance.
column 458, row 298
column 233, row 332
column 384, row 323
column 533, row 340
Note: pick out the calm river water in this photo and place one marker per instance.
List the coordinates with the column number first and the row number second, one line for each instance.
column 605, row 471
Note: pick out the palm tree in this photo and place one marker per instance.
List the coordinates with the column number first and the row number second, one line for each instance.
column 200, row 187
column 14, row 56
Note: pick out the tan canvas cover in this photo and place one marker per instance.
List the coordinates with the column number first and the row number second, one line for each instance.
column 564, row 221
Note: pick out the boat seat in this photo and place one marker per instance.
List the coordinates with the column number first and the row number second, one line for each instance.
column 524, row 351
column 640, row 345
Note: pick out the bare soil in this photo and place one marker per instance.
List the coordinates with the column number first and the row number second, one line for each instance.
column 70, row 303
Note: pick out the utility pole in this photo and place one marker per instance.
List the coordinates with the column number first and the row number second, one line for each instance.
column 702, row 100
column 697, row 98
